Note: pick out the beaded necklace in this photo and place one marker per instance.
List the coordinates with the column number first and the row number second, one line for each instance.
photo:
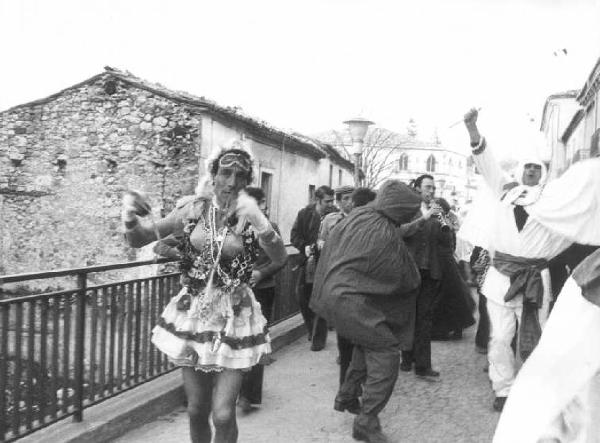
column 202, row 266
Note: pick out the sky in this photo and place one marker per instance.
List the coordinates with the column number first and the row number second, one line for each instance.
column 309, row 65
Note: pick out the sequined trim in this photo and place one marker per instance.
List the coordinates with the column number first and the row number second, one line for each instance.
column 209, row 369
column 209, row 336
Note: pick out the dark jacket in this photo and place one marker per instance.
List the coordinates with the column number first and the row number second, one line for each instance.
column 305, row 231
column 426, row 242
column 264, row 264
column 366, row 280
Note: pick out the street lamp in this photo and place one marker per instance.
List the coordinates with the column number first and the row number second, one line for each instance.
column 358, row 128
column 442, row 184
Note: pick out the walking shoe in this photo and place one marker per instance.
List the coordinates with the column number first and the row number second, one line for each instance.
column 406, row 366
column 369, row 431
column 480, row 349
column 456, row 335
column 352, row 406
column 499, row 403
column 244, row 404
column 427, row 374
column 317, row 346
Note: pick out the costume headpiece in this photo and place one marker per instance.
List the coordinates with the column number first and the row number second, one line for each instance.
column 528, row 161
column 231, row 159
column 228, row 159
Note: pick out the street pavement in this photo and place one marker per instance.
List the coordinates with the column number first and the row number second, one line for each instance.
column 301, row 385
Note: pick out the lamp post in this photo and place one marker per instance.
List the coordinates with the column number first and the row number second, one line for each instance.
column 442, row 184
column 358, row 128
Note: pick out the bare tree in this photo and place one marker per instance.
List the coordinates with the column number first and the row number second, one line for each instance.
column 380, row 151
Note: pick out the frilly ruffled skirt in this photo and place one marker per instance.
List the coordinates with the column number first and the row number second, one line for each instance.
column 216, row 338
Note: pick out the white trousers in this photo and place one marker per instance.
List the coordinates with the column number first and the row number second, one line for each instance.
column 504, row 321
column 556, row 396
column 503, row 327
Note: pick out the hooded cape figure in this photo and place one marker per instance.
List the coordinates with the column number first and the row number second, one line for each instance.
column 365, row 285
column 366, row 274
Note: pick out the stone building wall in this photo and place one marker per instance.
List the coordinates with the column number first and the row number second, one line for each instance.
column 65, row 161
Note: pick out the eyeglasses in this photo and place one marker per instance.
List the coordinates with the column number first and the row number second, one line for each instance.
column 232, row 159
column 533, row 165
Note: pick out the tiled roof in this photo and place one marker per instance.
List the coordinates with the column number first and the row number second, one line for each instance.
column 306, row 144
column 292, row 140
column 577, row 117
column 591, row 85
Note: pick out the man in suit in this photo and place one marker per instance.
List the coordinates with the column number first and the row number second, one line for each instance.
column 423, row 237
column 304, row 236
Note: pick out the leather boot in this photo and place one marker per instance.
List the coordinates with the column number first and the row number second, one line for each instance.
column 367, row 428
column 352, row 405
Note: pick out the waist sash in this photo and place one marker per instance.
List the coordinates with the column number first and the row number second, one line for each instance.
column 526, row 279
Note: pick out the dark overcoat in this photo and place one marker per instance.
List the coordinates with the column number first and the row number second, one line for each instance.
column 366, row 281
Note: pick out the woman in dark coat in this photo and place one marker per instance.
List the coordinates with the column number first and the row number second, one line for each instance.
column 454, row 311
column 365, row 285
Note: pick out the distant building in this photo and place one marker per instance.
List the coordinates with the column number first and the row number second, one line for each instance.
column 577, row 139
column 589, row 99
column 557, row 115
column 455, row 176
column 389, row 155
column 65, row 161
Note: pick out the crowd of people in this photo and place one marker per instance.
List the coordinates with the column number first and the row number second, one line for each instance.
column 390, row 270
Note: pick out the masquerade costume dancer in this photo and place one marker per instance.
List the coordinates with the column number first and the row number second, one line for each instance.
column 214, row 326
column 556, row 396
column 530, row 225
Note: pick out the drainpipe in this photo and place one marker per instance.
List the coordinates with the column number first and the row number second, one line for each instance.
column 280, row 177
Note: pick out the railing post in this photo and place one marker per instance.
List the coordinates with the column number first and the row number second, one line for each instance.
column 4, row 331
column 79, row 345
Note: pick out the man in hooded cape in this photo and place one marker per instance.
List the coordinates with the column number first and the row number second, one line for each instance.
column 366, row 285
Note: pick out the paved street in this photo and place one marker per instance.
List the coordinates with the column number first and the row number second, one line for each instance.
column 300, row 387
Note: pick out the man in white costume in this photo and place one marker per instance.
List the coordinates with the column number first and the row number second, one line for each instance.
column 556, row 396
column 528, row 225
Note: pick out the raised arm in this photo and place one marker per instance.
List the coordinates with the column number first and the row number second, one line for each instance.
column 139, row 232
column 483, row 157
column 411, row 228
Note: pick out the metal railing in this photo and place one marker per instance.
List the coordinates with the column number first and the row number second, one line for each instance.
column 66, row 350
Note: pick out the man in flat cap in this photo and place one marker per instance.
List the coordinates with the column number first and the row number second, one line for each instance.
column 343, row 197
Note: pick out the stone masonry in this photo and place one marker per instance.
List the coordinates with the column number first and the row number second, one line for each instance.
column 65, row 161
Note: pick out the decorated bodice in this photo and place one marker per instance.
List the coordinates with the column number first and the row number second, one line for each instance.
column 217, row 252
